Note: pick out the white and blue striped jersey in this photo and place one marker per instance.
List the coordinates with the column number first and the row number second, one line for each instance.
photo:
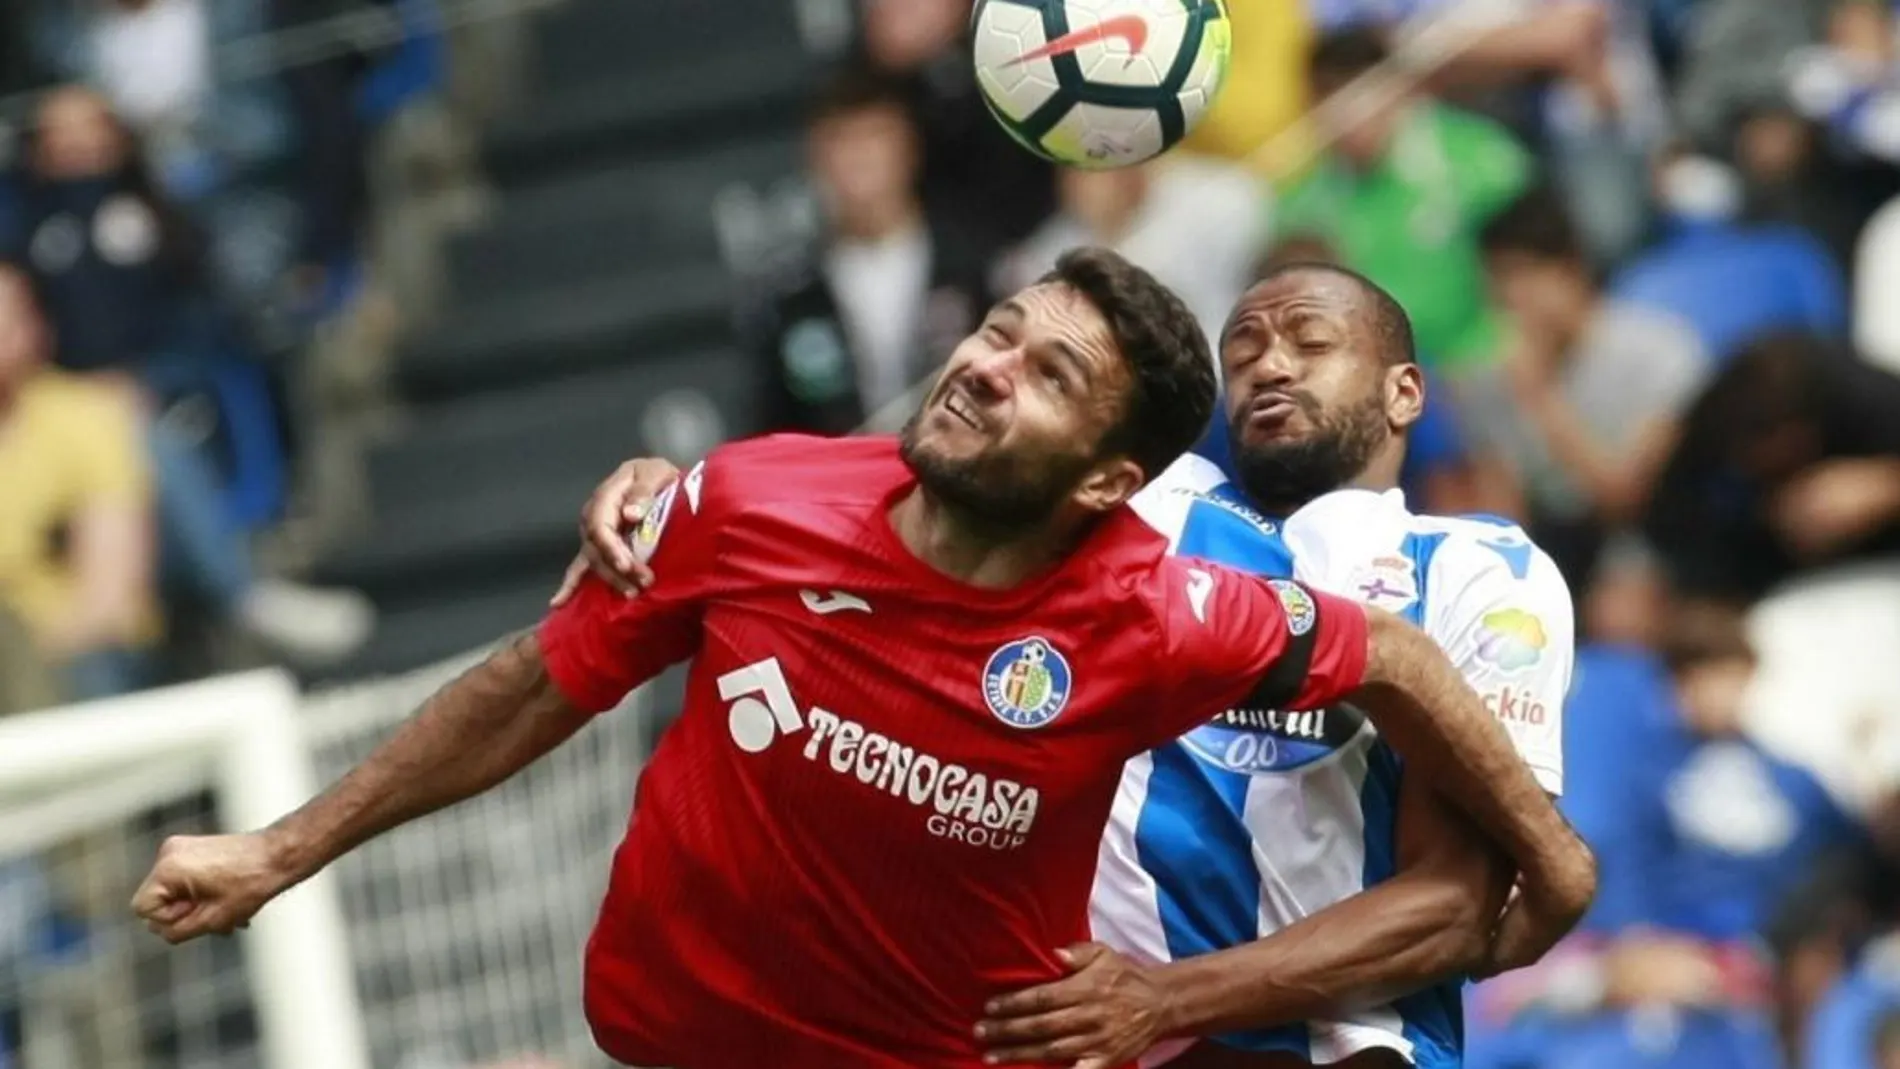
column 1263, row 816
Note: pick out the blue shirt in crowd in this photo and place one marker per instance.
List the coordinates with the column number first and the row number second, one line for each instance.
column 1846, row 1024
column 1733, row 284
column 1703, row 836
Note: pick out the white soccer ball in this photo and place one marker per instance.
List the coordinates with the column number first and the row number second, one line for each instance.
column 1100, row 83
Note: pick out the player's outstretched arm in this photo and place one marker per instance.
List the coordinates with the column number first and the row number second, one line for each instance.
column 490, row 723
column 1231, row 639
column 1423, row 706
column 1430, row 922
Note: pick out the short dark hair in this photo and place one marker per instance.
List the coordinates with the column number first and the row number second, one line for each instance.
column 1173, row 392
column 855, row 89
column 1343, row 55
column 1768, row 385
column 1298, row 247
column 1390, row 324
column 1537, row 223
column 1700, row 635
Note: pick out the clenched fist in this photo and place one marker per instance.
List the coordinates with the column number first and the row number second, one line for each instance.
column 209, row 884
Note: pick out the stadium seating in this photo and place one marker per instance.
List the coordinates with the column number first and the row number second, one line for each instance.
column 612, row 87
column 588, row 319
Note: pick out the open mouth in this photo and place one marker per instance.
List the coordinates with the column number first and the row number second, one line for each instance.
column 957, row 403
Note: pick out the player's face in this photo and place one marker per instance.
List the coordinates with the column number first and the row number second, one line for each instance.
column 1310, row 401
column 1014, row 427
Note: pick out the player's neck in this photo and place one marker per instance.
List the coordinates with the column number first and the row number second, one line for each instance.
column 970, row 551
column 1378, row 476
column 1382, row 472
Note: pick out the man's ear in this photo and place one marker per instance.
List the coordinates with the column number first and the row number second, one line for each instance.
column 1404, row 395
column 1109, row 485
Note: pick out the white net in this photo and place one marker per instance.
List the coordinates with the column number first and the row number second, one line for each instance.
column 81, row 985
column 465, row 929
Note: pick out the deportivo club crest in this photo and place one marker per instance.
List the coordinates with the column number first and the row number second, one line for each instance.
column 1026, row 683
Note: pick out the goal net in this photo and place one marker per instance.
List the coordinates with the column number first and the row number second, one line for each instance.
column 453, row 943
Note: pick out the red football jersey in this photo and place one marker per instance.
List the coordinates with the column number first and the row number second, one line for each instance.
column 882, row 802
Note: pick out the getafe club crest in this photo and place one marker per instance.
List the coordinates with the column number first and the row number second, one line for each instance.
column 1026, row 683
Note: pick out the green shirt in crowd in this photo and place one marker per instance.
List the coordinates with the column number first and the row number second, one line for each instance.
column 1411, row 223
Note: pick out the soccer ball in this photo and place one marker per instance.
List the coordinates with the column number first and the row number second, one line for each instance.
column 1100, row 83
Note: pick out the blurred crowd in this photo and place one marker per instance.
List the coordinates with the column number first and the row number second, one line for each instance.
column 182, row 208
column 1646, row 246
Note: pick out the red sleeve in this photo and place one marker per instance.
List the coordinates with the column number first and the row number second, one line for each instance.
column 599, row 646
column 1232, row 639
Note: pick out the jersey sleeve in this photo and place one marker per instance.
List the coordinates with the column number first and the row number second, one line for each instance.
column 1229, row 638
column 1508, row 626
column 599, row 646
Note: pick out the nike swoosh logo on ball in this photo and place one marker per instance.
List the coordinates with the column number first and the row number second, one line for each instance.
column 1130, row 28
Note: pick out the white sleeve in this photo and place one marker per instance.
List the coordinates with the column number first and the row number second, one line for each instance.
column 1164, row 504
column 1506, row 621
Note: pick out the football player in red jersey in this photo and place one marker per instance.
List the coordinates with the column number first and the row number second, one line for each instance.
column 917, row 668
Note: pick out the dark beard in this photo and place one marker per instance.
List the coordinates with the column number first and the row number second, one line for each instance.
column 1000, row 495
column 1282, row 476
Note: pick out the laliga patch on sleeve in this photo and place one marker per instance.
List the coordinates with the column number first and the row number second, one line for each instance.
column 1300, row 610
column 646, row 537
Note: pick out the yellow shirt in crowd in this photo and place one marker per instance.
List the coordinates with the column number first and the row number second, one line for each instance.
column 1265, row 89
column 64, row 443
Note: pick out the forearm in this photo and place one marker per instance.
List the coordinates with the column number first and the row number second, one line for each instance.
column 1888, row 493
column 1395, row 938
column 488, row 724
column 1426, row 710
column 1613, row 484
column 104, row 613
column 1545, row 42
column 1504, row 53
column 113, row 561
column 86, row 625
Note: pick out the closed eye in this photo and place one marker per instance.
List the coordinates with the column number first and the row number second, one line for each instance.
column 1052, row 373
